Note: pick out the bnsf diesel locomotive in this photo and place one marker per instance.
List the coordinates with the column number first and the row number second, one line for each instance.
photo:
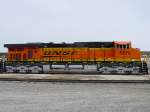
column 103, row 57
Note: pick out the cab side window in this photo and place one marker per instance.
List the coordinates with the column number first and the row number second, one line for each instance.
column 118, row 46
column 127, row 46
column 122, row 46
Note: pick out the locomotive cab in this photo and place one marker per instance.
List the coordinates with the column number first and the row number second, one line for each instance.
column 122, row 51
column 125, row 53
column 122, row 45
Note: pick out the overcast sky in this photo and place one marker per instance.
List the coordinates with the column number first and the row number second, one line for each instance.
column 23, row 21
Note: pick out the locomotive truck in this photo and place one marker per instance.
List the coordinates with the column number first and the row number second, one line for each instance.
column 116, row 57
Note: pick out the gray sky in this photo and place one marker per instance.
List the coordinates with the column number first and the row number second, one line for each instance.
column 24, row 21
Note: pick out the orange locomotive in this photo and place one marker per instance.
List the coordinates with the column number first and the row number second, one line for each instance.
column 107, row 57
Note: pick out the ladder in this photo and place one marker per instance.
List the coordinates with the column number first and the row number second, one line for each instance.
column 1, row 66
column 144, row 68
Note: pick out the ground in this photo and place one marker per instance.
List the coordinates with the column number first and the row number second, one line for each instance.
column 74, row 97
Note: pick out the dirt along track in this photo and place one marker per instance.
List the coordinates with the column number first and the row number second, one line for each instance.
column 75, row 78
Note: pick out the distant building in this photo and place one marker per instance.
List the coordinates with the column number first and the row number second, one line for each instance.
column 146, row 55
column 3, row 55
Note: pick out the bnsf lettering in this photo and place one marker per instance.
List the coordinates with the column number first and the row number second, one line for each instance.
column 59, row 53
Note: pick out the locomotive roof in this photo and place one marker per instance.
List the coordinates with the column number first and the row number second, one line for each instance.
column 75, row 44
column 23, row 45
column 122, row 42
